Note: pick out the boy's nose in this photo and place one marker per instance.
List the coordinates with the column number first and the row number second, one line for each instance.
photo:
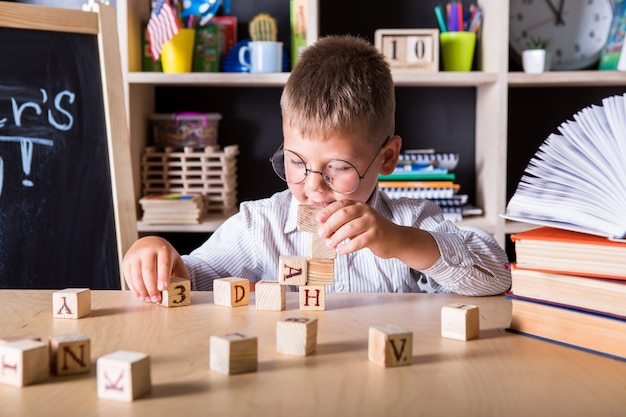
column 315, row 180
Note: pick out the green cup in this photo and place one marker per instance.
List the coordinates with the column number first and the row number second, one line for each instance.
column 457, row 50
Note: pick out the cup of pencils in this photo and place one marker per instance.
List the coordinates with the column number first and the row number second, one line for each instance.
column 457, row 35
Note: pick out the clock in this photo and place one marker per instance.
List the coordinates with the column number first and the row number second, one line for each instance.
column 575, row 30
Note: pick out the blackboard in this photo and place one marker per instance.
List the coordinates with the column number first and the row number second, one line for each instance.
column 66, row 198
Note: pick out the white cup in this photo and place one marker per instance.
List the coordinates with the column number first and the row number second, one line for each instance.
column 262, row 56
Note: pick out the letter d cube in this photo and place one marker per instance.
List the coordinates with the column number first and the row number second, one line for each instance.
column 231, row 292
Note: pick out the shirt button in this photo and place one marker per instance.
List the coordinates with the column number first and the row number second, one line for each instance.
column 339, row 287
column 455, row 260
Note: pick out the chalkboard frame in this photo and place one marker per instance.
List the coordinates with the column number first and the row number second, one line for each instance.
column 100, row 20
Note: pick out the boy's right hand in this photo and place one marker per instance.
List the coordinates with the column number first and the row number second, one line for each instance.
column 148, row 266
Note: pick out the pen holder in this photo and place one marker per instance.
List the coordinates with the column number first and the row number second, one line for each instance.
column 457, row 50
column 177, row 53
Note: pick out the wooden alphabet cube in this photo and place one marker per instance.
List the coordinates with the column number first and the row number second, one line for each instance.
column 292, row 270
column 71, row 303
column 24, row 362
column 69, row 354
column 123, row 375
column 460, row 321
column 320, row 271
column 177, row 294
column 307, row 221
column 231, row 292
column 319, row 249
column 296, row 336
column 233, row 353
column 270, row 295
column 313, row 297
column 390, row 345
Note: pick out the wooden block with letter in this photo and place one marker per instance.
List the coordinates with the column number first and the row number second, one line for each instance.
column 390, row 345
column 320, row 271
column 71, row 303
column 292, row 270
column 269, row 295
column 123, row 375
column 177, row 294
column 417, row 49
column 296, row 336
column 69, row 354
column 233, row 353
column 460, row 321
column 231, row 291
column 24, row 362
column 312, row 297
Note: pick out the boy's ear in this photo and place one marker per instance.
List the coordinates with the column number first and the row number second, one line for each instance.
column 390, row 155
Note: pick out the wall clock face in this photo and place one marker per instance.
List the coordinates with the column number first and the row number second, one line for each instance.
column 576, row 30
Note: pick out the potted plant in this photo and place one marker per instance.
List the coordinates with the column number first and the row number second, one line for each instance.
column 534, row 58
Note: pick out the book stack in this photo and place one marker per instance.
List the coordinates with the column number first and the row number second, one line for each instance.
column 427, row 175
column 172, row 208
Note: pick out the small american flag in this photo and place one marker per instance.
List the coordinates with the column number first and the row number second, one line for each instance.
column 162, row 27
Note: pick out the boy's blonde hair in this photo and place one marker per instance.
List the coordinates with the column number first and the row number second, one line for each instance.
column 340, row 84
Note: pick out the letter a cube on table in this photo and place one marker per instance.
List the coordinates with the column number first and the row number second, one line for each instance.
column 177, row 294
column 390, row 345
column 123, row 375
column 24, row 362
column 460, row 321
column 292, row 270
column 233, row 353
column 296, row 336
column 231, row 291
column 70, row 354
column 71, row 303
column 269, row 295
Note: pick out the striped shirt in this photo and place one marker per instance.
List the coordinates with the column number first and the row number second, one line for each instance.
column 249, row 243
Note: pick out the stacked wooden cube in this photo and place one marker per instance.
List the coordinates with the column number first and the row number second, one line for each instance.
column 208, row 171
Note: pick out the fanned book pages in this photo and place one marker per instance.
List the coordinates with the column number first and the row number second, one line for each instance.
column 577, row 178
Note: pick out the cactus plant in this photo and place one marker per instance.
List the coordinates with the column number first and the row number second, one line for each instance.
column 263, row 28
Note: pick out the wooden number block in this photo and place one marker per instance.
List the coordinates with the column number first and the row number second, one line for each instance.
column 233, row 353
column 319, row 249
column 123, row 375
column 177, row 294
column 296, row 336
column 71, row 303
column 416, row 49
column 307, row 221
column 270, row 295
column 70, row 354
column 313, row 297
column 460, row 321
column 231, row 292
column 292, row 270
column 320, row 271
column 24, row 362
column 390, row 345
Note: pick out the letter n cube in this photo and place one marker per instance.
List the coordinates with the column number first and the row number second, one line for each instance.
column 24, row 362
column 69, row 354
column 231, row 292
column 296, row 336
column 233, row 353
column 123, row 375
column 460, row 321
column 390, row 345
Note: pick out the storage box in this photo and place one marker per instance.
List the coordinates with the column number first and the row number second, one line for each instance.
column 195, row 130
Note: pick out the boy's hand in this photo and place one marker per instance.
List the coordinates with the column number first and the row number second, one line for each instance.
column 148, row 266
column 361, row 224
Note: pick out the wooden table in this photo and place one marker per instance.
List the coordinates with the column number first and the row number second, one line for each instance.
column 498, row 374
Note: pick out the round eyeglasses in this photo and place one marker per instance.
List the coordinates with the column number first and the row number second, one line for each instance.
column 340, row 176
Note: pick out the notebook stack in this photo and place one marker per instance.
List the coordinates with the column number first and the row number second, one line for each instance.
column 570, row 288
column 172, row 208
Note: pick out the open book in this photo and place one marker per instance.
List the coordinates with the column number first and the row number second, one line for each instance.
column 577, row 179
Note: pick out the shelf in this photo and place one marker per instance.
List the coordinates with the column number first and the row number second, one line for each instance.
column 405, row 78
column 567, row 79
column 209, row 225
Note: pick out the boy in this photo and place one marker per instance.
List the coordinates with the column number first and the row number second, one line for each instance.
column 338, row 110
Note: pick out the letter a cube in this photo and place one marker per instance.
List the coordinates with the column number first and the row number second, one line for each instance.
column 231, row 292
column 390, row 345
column 71, row 303
column 24, row 362
column 70, row 354
column 296, row 336
column 292, row 270
column 123, row 375
column 460, row 321
column 233, row 353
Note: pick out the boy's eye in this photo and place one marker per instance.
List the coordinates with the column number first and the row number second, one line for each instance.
column 338, row 166
column 296, row 162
